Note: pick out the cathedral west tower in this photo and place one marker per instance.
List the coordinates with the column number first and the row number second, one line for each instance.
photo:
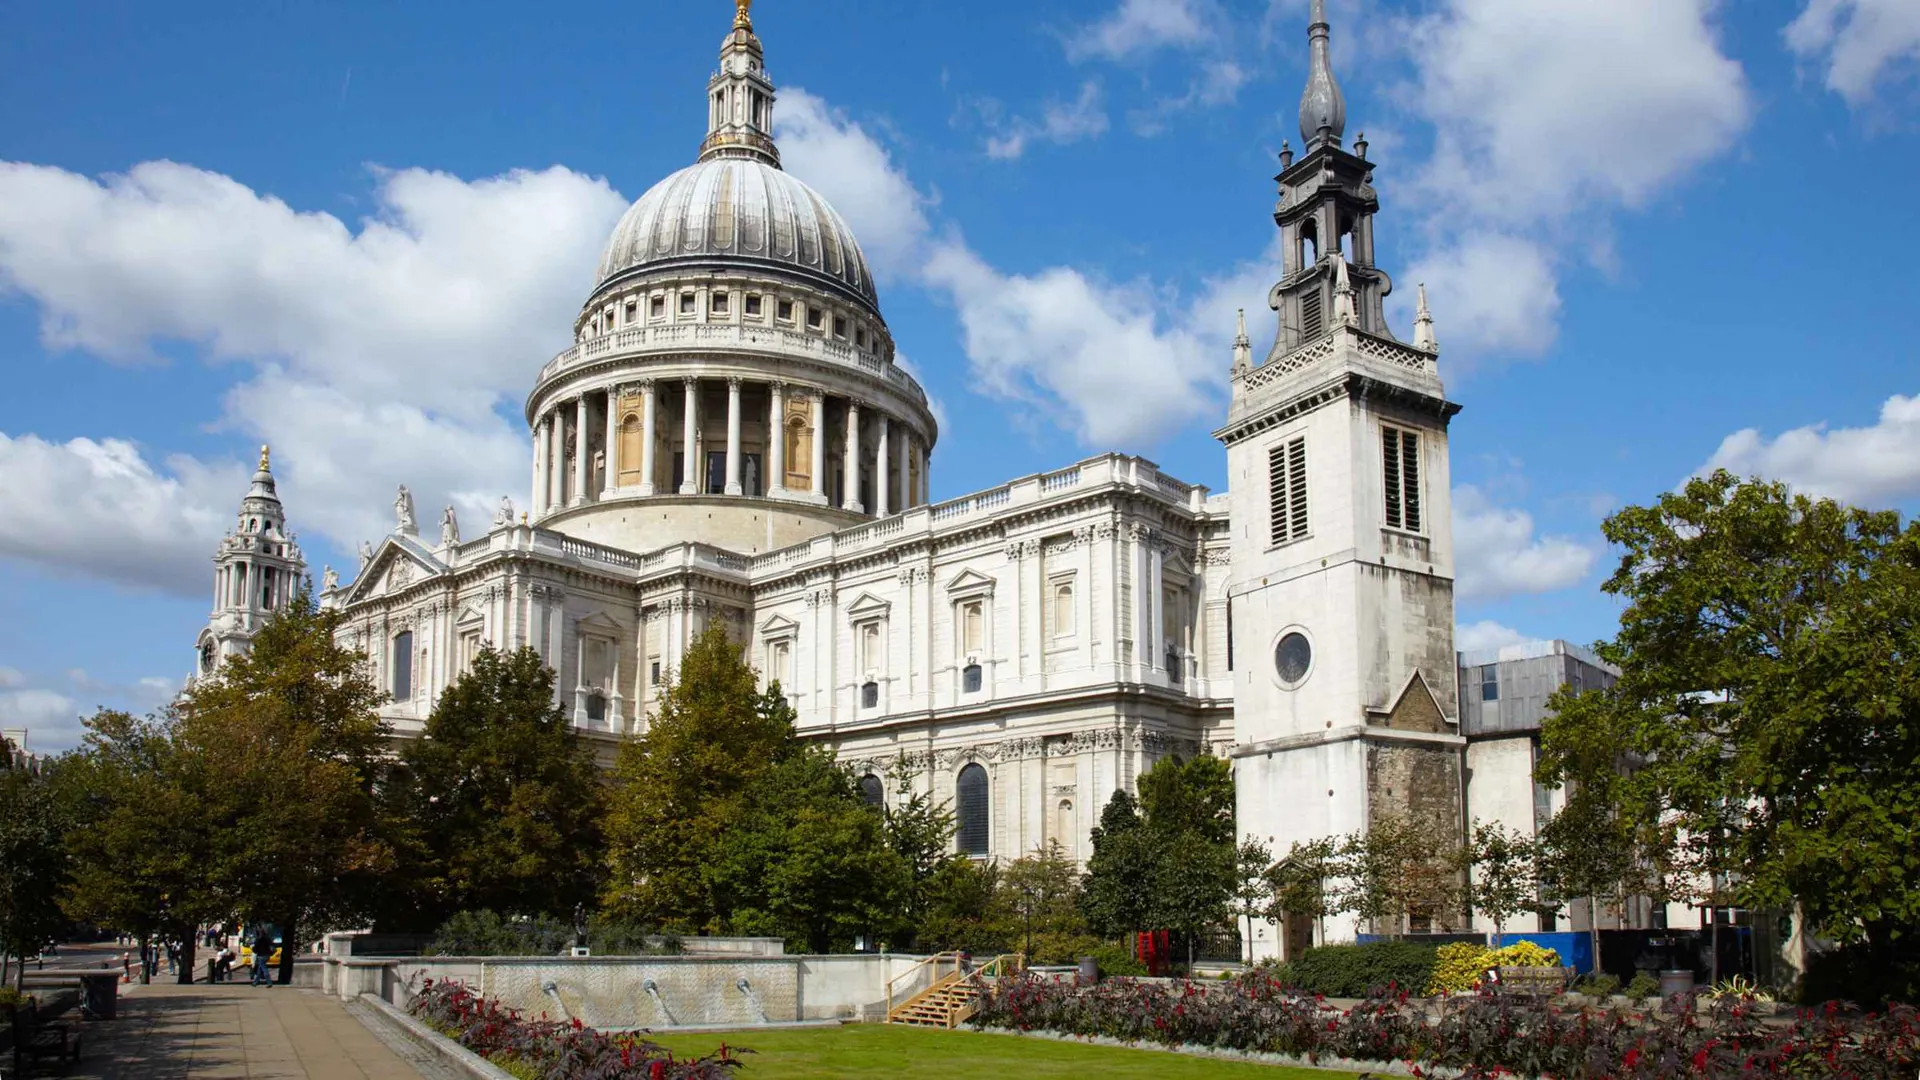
column 1342, row 566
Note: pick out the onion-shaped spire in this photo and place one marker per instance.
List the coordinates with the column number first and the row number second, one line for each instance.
column 1323, row 109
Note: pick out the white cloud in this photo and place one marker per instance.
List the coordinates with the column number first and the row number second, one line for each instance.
column 1498, row 293
column 1873, row 465
column 1496, row 553
column 1060, row 122
column 52, row 719
column 1861, row 43
column 1546, row 118
column 1486, row 634
column 1140, row 26
column 101, row 509
column 420, row 322
column 1117, row 363
column 10, row 678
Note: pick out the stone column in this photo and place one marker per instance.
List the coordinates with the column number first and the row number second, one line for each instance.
column 1156, row 598
column 777, row 441
column 852, row 500
column 646, row 437
column 819, row 447
column 536, row 501
column 733, row 437
column 881, row 481
column 905, row 501
column 556, row 460
column 612, row 479
column 688, row 485
column 579, row 678
column 582, row 461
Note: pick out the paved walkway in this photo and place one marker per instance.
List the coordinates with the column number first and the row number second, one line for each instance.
column 231, row 1031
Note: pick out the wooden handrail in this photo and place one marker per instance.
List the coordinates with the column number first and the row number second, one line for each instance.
column 935, row 960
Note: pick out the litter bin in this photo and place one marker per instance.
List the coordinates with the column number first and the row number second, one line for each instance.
column 1089, row 970
column 1676, row 982
column 100, row 995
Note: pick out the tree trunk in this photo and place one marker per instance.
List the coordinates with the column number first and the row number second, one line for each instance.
column 145, row 978
column 1593, row 930
column 187, row 942
column 287, row 947
column 1713, row 966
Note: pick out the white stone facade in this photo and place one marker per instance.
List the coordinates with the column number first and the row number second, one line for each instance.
column 729, row 439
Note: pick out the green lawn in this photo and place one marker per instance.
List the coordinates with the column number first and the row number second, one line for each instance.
column 894, row 1050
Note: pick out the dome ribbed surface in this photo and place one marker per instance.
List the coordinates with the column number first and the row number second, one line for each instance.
column 738, row 209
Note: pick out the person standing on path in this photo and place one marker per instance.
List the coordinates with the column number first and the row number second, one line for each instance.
column 262, row 948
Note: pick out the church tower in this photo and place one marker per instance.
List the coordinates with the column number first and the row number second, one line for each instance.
column 256, row 571
column 1341, row 602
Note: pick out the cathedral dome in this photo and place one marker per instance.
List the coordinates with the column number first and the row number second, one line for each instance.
column 738, row 211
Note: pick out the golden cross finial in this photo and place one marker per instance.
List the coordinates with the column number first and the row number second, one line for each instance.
column 263, row 455
column 742, row 19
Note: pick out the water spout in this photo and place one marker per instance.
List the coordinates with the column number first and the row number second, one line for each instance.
column 552, row 990
column 746, row 988
column 653, row 991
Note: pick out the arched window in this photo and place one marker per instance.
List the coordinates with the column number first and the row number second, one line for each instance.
column 1062, row 613
column 631, row 433
column 872, row 792
column 400, row 684
column 971, row 810
column 870, row 695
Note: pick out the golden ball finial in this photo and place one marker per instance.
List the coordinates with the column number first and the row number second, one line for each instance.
column 742, row 14
column 263, row 455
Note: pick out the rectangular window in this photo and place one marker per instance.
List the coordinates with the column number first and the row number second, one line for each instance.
column 1490, row 682
column 813, row 318
column 1312, row 321
column 717, row 303
column 860, row 337
column 657, row 306
column 716, row 472
column 839, row 326
column 401, row 684
column 869, row 659
column 972, row 628
column 784, row 311
column 753, row 306
column 633, row 311
column 1287, row 490
column 1400, row 475
column 777, row 662
column 686, row 303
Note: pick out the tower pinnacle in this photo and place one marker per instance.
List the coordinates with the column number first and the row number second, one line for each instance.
column 1323, row 109
column 743, row 14
column 1242, row 348
column 740, row 97
column 1423, row 324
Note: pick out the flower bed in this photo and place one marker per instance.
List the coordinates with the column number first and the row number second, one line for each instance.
column 546, row 1050
column 1485, row 1035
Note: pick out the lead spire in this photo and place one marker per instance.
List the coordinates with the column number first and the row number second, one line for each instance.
column 1323, row 110
column 1242, row 348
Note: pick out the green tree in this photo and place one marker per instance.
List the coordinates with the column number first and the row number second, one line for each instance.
column 1298, row 882
column 1042, row 892
column 1401, row 869
column 963, row 910
column 1117, row 894
column 1252, row 886
column 682, row 785
column 1768, row 712
column 1505, row 875
column 33, row 862
column 284, row 743
column 920, row 831
column 140, row 839
column 1192, row 885
column 504, row 800
column 1192, row 797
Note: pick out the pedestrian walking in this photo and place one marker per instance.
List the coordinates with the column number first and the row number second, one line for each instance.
column 262, row 948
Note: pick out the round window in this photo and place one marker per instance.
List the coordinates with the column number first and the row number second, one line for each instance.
column 1292, row 657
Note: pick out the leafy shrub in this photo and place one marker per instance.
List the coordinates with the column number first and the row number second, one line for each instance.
column 11, row 997
column 1356, row 970
column 545, row 1050
column 1458, row 966
column 1600, row 985
column 1737, row 987
column 1643, row 986
column 1865, row 974
column 1114, row 958
column 1487, row 1035
column 488, row 933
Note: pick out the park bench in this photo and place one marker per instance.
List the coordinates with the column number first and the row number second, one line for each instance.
column 35, row 1032
column 1534, row 981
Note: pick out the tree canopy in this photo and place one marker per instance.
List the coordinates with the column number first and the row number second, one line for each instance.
column 1766, row 724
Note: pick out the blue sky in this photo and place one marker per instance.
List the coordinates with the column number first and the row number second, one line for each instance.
column 1658, row 234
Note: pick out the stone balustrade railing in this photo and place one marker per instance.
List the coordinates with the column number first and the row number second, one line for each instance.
column 731, row 337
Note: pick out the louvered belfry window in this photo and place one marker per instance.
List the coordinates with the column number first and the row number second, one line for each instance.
column 1312, row 319
column 1400, row 474
column 1287, row 490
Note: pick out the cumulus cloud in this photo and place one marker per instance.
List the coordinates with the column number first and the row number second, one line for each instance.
column 1486, row 634
column 1547, row 117
column 1498, row 554
column 1060, row 122
column 420, row 321
column 1140, row 26
column 51, row 719
column 1871, row 465
column 1861, row 44
column 102, row 509
column 1121, row 362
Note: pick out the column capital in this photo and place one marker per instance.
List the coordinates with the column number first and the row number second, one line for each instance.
column 692, row 382
column 733, row 382
column 778, row 386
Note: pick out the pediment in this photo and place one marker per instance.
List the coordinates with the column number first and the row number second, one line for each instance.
column 395, row 568
column 969, row 582
column 470, row 615
column 600, row 621
column 867, row 606
column 1416, row 709
column 779, row 626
